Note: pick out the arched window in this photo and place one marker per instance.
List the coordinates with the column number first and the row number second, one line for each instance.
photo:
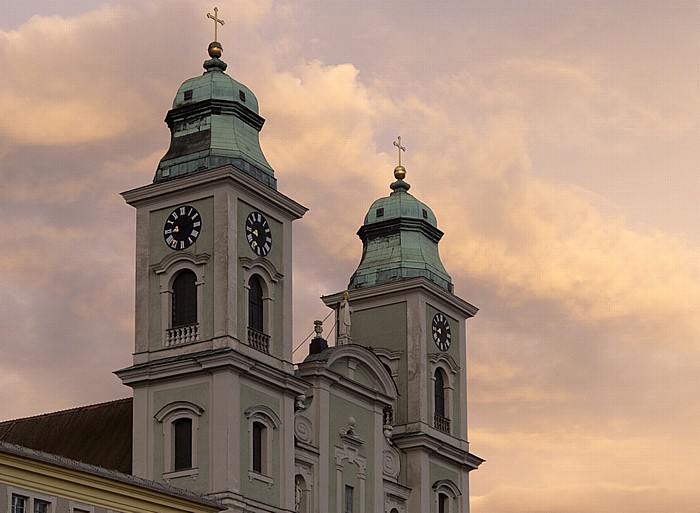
column 441, row 419
column 446, row 494
column 255, row 304
column 183, row 444
column 262, row 422
column 184, row 304
column 180, row 421
column 439, row 393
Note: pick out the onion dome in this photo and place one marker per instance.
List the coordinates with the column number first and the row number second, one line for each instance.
column 400, row 240
column 214, row 121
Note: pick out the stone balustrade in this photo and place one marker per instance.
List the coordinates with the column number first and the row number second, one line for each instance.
column 258, row 340
column 441, row 423
column 182, row 335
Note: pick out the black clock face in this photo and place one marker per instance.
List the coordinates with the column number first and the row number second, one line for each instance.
column 258, row 233
column 183, row 226
column 442, row 336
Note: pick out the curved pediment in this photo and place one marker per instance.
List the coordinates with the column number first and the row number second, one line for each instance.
column 359, row 364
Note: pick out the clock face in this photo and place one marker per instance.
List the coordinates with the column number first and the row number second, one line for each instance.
column 182, row 227
column 258, row 233
column 442, row 336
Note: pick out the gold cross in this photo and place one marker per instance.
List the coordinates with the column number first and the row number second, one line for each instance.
column 400, row 148
column 216, row 19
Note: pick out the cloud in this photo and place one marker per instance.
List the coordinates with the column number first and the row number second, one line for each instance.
column 583, row 360
column 536, row 239
column 75, row 89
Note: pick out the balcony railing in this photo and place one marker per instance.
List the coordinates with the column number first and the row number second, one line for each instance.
column 441, row 423
column 258, row 340
column 182, row 335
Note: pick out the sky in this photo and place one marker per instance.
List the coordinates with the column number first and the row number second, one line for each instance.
column 556, row 142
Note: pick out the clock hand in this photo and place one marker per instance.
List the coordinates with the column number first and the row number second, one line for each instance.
column 176, row 229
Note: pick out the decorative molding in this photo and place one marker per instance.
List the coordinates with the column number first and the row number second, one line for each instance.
column 359, row 357
column 349, row 436
column 306, row 471
column 272, row 273
column 264, row 413
column 390, row 359
column 394, row 502
column 391, row 462
column 447, row 485
column 350, row 453
column 303, row 429
column 445, row 359
column 173, row 258
column 189, row 409
column 300, row 403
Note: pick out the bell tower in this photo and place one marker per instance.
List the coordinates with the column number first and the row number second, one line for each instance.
column 212, row 374
column 404, row 308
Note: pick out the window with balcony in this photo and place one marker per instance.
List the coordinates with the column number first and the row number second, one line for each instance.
column 184, row 306
column 257, row 338
column 441, row 418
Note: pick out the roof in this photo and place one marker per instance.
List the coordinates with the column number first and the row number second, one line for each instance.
column 400, row 204
column 60, row 461
column 98, row 434
column 214, row 121
column 400, row 241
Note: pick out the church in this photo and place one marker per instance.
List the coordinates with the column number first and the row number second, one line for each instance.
column 221, row 418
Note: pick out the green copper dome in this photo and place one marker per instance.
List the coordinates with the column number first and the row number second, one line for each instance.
column 214, row 121
column 218, row 86
column 400, row 204
column 400, row 241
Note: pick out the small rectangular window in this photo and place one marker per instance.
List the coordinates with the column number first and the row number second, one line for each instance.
column 425, row 214
column 19, row 504
column 241, row 95
column 188, row 95
column 443, row 503
column 380, row 212
column 258, row 434
column 183, row 444
column 41, row 506
column 349, row 499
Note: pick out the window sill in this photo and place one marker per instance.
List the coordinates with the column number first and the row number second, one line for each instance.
column 254, row 476
column 193, row 472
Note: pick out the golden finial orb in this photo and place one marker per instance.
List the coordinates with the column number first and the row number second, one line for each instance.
column 215, row 50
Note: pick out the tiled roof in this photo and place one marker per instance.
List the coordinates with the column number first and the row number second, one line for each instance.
column 98, row 434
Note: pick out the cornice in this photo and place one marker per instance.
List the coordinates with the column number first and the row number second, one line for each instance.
column 402, row 287
column 207, row 362
column 226, row 107
column 207, row 180
column 424, row 441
